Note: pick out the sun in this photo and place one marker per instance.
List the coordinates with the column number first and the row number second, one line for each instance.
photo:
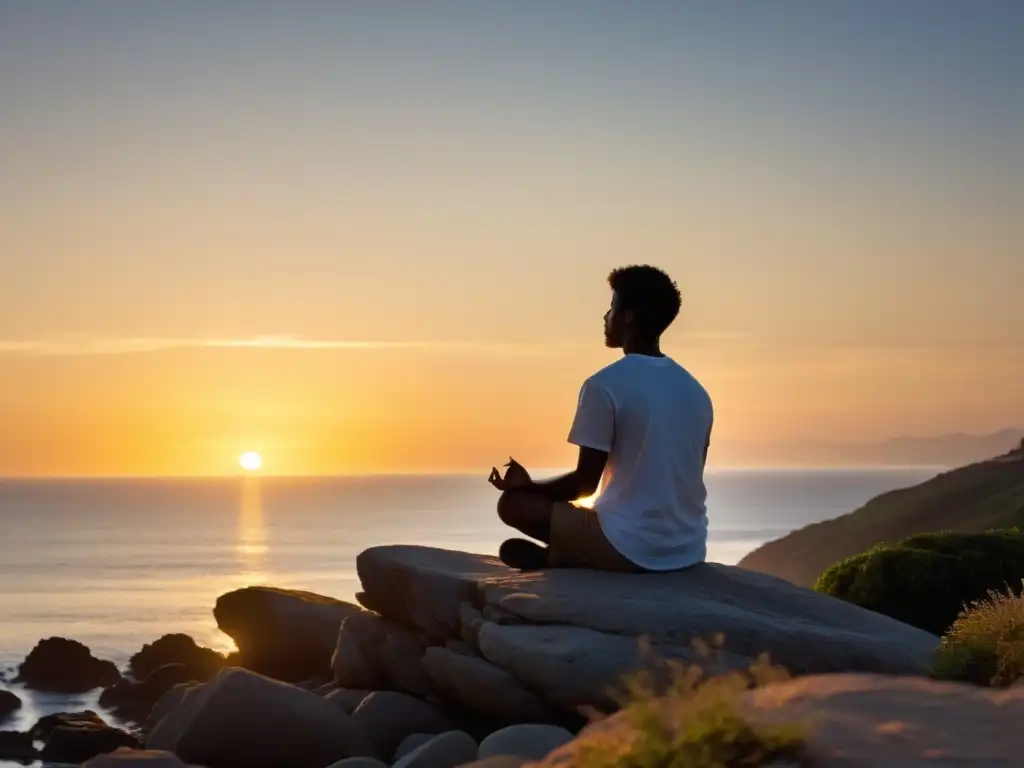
column 250, row 461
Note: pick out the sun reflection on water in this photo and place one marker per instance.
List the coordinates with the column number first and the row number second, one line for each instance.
column 252, row 546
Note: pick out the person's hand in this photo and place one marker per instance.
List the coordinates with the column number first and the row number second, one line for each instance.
column 516, row 476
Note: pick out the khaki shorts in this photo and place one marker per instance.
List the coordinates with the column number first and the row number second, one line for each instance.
column 577, row 541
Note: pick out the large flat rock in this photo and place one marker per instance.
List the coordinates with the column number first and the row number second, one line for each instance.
column 870, row 720
column 422, row 586
column 575, row 667
column 805, row 631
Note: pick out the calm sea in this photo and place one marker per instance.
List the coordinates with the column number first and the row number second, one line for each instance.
column 116, row 564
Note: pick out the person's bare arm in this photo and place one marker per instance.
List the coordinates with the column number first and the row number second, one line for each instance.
column 579, row 483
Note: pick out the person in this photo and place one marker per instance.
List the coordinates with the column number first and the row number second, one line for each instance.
column 643, row 429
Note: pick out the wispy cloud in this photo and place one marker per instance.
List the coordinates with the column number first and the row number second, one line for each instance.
column 72, row 346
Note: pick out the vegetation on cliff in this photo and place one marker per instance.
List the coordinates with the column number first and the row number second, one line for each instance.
column 927, row 580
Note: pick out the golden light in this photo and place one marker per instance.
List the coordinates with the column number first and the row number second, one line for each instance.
column 250, row 461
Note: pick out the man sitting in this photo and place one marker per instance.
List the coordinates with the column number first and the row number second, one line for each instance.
column 643, row 428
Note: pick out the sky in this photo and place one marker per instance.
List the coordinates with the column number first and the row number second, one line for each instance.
column 374, row 236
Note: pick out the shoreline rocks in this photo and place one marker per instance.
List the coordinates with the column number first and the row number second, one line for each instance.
column 200, row 663
column 59, row 665
column 285, row 634
column 9, row 704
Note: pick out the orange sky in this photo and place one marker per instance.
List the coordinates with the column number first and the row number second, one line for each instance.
column 383, row 247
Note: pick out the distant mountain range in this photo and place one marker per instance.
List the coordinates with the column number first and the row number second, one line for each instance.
column 951, row 450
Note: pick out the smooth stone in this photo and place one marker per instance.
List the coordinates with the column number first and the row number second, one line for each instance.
column 46, row 725
column 286, row 634
column 168, row 703
column 501, row 761
column 17, row 747
column 125, row 757
column 573, row 667
column 135, row 700
column 358, row 762
column 347, row 699
column 528, row 741
column 447, row 750
column 422, row 586
column 241, row 718
column 388, row 717
column 200, row 663
column 9, row 704
column 803, row 630
column 59, row 665
column 410, row 743
column 78, row 743
column 870, row 720
column 482, row 687
column 376, row 654
column 470, row 621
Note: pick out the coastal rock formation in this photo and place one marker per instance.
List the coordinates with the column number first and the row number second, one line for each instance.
column 9, row 704
column 135, row 758
column 971, row 499
column 17, row 747
column 60, row 665
column 241, row 718
column 134, row 701
column 45, row 725
column 77, row 741
column 200, row 663
column 521, row 646
column 868, row 720
column 285, row 634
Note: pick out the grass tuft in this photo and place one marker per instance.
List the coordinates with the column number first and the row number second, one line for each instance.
column 985, row 645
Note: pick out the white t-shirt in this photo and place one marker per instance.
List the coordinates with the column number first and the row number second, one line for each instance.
column 654, row 419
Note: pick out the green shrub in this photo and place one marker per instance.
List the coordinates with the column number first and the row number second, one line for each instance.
column 985, row 645
column 926, row 580
column 693, row 722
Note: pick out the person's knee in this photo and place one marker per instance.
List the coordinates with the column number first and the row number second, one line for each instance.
column 508, row 506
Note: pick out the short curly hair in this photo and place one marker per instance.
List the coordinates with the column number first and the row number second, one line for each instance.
column 649, row 293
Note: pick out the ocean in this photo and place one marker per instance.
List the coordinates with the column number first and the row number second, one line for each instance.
column 118, row 563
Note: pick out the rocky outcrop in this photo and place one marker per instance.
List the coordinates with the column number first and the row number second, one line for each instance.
column 9, row 704
column 135, row 758
column 241, row 718
column 861, row 720
column 199, row 663
column 520, row 647
column 16, row 747
column 285, row 634
column 134, row 701
column 60, row 665
column 74, row 738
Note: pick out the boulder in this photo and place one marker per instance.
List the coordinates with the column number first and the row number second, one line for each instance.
column 387, row 718
column 347, row 699
column 65, row 666
column 241, row 718
column 529, row 741
column 200, row 663
column 285, row 634
column 448, row 750
column 125, row 757
column 75, row 743
column 358, row 762
column 9, row 704
column 502, row 761
column 17, row 747
column 46, row 725
column 170, row 701
column 802, row 630
column 483, row 688
column 422, row 586
column 868, row 720
column 134, row 701
column 411, row 743
column 376, row 654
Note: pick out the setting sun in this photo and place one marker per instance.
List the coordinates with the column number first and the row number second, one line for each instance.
column 250, row 461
